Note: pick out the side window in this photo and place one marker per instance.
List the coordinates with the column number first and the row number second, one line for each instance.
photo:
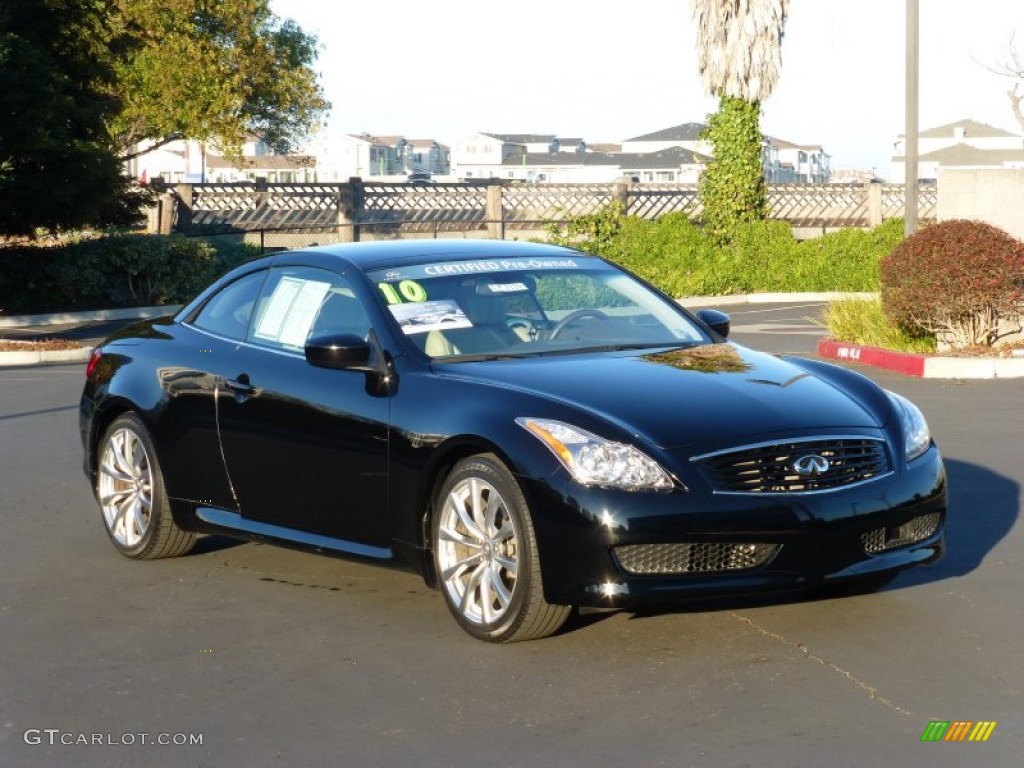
column 228, row 312
column 298, row 303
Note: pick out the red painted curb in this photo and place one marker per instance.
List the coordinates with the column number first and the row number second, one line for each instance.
column 901, row 362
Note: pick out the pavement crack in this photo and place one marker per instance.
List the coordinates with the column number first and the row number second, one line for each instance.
column 871, row 691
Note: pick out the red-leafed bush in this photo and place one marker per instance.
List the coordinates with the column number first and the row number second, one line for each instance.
column 962, row 281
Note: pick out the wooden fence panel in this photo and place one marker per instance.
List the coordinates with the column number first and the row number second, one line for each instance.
column 527, row 205
column 894, row 199
column 818, row 205
column 438, row 208
column 649, row 201
column 420, row 203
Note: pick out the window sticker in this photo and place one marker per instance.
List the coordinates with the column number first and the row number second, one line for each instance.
column 502, row 288
column 445, row 268
column 442, row 315
column 291, row 311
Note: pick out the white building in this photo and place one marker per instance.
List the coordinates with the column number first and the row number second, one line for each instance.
column 963, row 144
column 798, row 163
column 374, row 158
column 783, row 161
column 547, row 158
column 194, row 162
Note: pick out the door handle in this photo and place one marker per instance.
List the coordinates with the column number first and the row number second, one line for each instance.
column 241, row 387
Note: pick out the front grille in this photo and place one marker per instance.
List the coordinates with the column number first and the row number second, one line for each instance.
column 693, row 558
column 772, row 467
column 914, row 530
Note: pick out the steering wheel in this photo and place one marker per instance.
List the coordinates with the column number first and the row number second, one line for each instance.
column 572, row 317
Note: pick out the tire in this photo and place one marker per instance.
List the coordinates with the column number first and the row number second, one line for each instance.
column 485, row 552
column 130, row 492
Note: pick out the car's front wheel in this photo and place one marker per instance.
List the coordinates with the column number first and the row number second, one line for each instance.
column 130, row 491
column 485, row 552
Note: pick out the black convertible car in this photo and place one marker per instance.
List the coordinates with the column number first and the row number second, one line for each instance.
column 528, row 426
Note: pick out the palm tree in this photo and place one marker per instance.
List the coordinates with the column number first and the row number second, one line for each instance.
column 739, row 49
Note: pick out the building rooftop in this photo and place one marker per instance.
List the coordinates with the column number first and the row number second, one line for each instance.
column 673, row 157
column 971, row 129
column 682, row 132
column 965, row 154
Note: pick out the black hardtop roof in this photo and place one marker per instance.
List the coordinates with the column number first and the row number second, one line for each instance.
column 369, row 256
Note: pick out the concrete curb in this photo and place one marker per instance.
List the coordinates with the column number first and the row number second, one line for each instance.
column 34, row 357
column 771, row 298
column 99, row 315
column 924, row 366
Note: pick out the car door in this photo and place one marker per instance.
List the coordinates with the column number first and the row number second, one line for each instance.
column 199, row 354
column 306, row 447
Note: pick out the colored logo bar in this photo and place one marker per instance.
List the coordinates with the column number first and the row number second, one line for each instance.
column 958, row 730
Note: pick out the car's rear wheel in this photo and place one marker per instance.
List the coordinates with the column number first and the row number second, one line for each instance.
column 485, row 551
column 130, row 491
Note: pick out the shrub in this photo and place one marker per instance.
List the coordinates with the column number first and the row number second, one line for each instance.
column 732, row 189
column 676, row 255
column 960, row 280
column 115, row 271
column 862, row 321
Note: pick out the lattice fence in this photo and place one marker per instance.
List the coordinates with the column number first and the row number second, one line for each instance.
column 422, row 207
column 894, row 197
column 242, row 207
column 529, row 205
column 818, row 205
column 653, row 200
column 392, row 209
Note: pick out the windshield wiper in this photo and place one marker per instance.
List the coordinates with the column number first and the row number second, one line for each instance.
column 483, row 357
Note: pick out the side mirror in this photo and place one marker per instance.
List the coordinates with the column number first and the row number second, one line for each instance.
column 340, row 352
column 717, row 321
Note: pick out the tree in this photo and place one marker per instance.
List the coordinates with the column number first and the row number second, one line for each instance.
column 57, row 169
column 739, row 48
column 1013, row 66
column 216, row 71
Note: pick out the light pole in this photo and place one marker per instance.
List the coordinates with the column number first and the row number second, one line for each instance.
column 910, row 128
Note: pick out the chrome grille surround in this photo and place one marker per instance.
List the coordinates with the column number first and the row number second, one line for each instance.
column 766, row 468
column 710, row 557
column 914, row 530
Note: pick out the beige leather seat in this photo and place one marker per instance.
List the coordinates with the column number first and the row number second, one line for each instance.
column 439, row 345
column 489, row 332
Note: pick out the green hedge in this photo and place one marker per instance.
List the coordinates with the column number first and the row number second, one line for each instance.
column 674, row 254
column 111, row 272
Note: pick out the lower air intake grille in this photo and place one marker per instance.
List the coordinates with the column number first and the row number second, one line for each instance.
column 693, row 558
column 914, row 530
column 799, row 466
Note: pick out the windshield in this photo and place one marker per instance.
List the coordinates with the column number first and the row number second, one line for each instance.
column 506, row 308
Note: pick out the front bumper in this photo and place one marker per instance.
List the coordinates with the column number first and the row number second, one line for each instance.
column 594, row 544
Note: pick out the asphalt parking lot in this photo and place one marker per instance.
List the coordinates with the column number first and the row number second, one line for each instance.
column 270, row 657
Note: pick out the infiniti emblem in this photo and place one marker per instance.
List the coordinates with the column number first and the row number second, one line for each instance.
column 811, row 465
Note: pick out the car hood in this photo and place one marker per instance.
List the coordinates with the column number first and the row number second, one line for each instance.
column 679, row 397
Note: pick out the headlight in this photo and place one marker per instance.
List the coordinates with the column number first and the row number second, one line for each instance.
column 592, row 460
column 916, row 436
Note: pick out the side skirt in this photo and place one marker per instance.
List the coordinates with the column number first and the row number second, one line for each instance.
column 232, row 523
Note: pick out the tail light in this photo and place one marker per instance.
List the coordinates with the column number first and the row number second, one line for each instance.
column 94, row 358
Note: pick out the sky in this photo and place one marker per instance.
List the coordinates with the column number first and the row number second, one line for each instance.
column 607, row 72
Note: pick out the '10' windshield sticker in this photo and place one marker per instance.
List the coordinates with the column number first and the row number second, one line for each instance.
column 407, row 290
